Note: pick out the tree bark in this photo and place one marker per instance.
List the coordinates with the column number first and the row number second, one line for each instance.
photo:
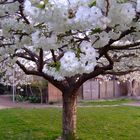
column 69, row 116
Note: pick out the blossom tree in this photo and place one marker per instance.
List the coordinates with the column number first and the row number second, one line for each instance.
column 12, row 75
column 71, row 41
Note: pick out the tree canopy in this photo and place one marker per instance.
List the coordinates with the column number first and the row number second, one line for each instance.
column 66, row 38
column 70, row 41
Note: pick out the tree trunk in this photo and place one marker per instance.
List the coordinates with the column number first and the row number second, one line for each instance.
column 69, row 116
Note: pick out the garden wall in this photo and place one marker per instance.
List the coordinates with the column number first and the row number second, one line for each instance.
column 55, row 95
column 103, row 90
column 92, row 90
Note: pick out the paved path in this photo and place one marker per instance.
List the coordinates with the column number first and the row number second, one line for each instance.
column 136, row 103
column 6, row 102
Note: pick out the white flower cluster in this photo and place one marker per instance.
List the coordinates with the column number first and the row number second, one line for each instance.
column 90, row 18
column 44, row 42
column 71, row 65
column 87, row 57
column 122, row 14
column 51, row 21
column 138, row 6
column 65, row 15
column 51, row 71
column 9, row 8
column 13, row 75
column 131, row 76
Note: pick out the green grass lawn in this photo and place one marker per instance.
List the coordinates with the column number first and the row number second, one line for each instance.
column 94, row 123
column 107, row 102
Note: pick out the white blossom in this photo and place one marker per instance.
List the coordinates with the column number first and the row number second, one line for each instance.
column 138, row 6
column 71, row 29
column 119, row 11
column 69, row 64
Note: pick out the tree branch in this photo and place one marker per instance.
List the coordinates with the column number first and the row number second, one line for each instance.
column 40, row 61
column 53, row 55
column 22, row 55
column 22, row 14
column 121, row 72
column 59, row 84
column 107, row 7
column 31, row 54
column 123, row 47
column 107, row 47
column 28, row 72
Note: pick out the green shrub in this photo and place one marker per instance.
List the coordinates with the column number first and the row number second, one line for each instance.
column 20, row 98
column 34, row 99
